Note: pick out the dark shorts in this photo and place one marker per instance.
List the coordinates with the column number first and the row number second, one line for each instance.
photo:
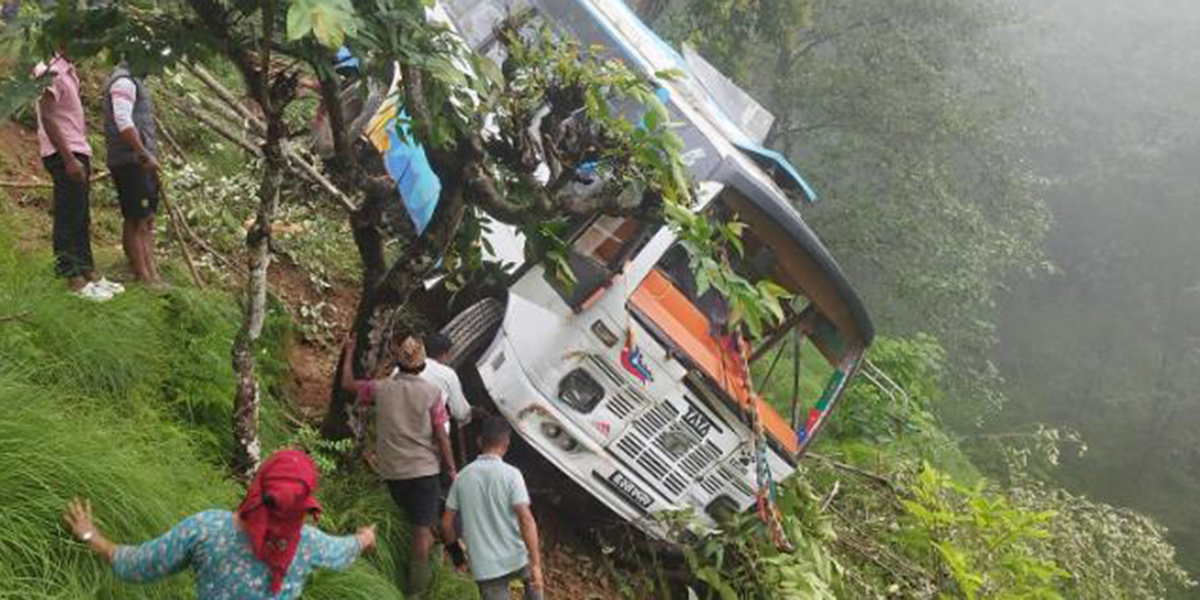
column 419, row 498
column 137, row 190
column 497, row 589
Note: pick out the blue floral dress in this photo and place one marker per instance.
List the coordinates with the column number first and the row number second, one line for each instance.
column 220, row 554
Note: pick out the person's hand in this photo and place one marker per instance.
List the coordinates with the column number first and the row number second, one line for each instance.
column 366, row 537
column 535, row 578
column 149, row 163
column 79, row 517
column 457, row 557
column 74, row 168
column 452, row 474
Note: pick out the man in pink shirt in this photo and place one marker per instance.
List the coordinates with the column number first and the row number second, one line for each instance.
column 62, row 141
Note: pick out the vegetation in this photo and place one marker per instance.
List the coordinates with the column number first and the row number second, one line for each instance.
column 1106, row 346
column 913, row 120
column 910, row 119
column 128, row 403
column 895, row 509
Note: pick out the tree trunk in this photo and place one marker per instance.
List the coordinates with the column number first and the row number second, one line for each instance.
column 247, row 449
column 378, row 319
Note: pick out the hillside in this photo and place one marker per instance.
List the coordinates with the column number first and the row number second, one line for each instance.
column 129, row 403
column 909, row 117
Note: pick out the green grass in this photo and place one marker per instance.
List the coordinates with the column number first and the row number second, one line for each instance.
column 128, row 403
column 141, row 474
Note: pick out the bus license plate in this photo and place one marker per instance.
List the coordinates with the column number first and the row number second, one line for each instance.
column 630, row 489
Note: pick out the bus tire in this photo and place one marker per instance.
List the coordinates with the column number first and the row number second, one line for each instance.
column 472, row 329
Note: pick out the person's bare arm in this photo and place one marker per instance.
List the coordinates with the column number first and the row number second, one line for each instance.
column 449, row 532
column 123, row 97
column 79, row 517
column 72, row 165
column 349, row 383
column 134, row 139
column 529, row 533
column 443, row 442
column 450, row 538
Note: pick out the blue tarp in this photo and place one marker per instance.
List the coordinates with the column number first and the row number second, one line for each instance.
column 408, row 166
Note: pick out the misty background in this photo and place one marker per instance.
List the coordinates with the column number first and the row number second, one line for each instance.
column 1107, row 342
column 1021, row 180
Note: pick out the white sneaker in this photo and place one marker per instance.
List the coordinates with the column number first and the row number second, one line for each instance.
column 110, row 286
column 94, row 292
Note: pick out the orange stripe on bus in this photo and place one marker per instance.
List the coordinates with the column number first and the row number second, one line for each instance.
column 661, row 302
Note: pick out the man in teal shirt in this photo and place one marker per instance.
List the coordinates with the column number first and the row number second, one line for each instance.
column 497, row 524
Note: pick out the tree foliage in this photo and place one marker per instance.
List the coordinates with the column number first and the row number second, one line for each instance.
column 894, row 509
column 909, row 118
column 487, row 131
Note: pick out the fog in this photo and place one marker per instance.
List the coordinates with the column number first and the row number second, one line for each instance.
column 1108, row 343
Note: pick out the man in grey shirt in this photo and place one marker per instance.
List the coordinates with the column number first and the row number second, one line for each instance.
column 412, row 445
column 498, row 526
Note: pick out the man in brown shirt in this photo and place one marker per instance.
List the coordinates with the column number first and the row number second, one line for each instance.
column 411, row 445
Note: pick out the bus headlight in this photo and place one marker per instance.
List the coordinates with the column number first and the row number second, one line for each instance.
column 579, row 390
column 559, row 436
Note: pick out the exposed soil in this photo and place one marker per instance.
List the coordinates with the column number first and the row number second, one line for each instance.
column 312, row 362
column 19, row 163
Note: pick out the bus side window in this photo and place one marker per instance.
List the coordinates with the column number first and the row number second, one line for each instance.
column 596, row 254
column 605, row 239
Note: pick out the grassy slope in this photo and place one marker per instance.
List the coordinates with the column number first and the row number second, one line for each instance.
column 128, row 403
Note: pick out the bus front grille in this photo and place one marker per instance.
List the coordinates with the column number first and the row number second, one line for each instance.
column 668, row 450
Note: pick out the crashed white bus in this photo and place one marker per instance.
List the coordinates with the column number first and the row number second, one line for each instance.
column 622, row 381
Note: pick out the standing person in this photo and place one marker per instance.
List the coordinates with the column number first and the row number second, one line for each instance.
column 411, row 445
column 437, row 372
column 262, row 551
column 131, row 136
column 66, row 155
column 497, row 523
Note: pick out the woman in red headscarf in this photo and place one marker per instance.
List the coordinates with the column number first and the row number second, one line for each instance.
column 263, row 550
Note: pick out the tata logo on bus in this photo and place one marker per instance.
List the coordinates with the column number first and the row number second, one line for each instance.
column 698, row 421
column 630, row 490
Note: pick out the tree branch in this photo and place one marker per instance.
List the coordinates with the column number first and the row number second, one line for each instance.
column 227, row 96
column 332, row 101
column 853, row 469
column 218, row 127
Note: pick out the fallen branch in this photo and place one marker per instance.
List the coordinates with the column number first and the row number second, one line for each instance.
column 837, row 486
column 14, row 317
column 175, row 220
column 228, row 97
column 295, row 161
column 222, row 110
column 315, row 176
column 853, row 469
column 217, row 126
column 38, row 184
column 171, row 141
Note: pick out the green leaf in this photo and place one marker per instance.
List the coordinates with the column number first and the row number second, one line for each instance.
column 669, row 74
column 20, row 92
column 299, row 19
